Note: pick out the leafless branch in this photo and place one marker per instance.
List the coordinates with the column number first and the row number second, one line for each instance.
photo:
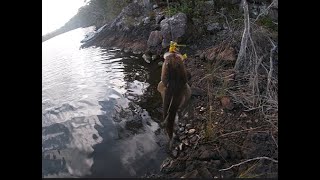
column 234, row 132
column 244, row 40
column 226, row 19
column 248, row 160
column 265, row 11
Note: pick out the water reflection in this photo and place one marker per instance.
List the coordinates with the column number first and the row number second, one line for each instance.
column 99, row 109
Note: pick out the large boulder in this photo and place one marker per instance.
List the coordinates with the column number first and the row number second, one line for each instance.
column 176, row 28
column 154, row 42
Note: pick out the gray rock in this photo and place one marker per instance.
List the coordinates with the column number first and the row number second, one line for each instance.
column 207, row 154
column 174, row 153
column 204, row 173
column 181, row 30
column 154, row 57
column 159, row 18
column 214, row 27
column 192, row 174
column 154, row 42
column 146, row 58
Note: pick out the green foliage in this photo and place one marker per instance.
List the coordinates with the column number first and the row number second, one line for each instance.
column 189, row 7
column 267, row 22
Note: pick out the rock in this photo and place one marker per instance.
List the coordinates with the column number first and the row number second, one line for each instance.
column 94, row 136
column 160, row 63
column 165, row 163
column 188, row 126
column 182, row 137
column 208, row 154
column 181, row 129
column 216, row 163
column 135, row 124
column 204, row 173
column 174, row 153
column 224, row 153
column 227, row 174
column 154, row 43
column 154, row 57
column 155, row 39
column 214, row 27
column 159, row 18
column 192, row 174
column 202, row 56
column 180, row 146
column 181, row 29
column 155, row 6
column 191, row 131
column 146, row 20
column 202, row 109
column 146, row 58
column 226, row 103
column 194, row 139
column 185, row 142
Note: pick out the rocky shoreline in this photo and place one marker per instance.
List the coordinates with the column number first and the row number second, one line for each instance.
column 217, row 137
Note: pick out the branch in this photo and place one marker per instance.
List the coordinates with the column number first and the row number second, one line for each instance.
column 265, row 11
column 244, row 40
column 234, row 132
column 257, row 158
column 226, row 19
column 271, row 65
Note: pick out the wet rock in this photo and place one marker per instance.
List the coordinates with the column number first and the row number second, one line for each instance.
column 181, row 129
column 204, row 173
column 94, row 136
column 135, row 124
column 160, row 63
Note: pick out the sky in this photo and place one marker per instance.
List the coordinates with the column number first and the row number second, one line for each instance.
column 55, row 13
